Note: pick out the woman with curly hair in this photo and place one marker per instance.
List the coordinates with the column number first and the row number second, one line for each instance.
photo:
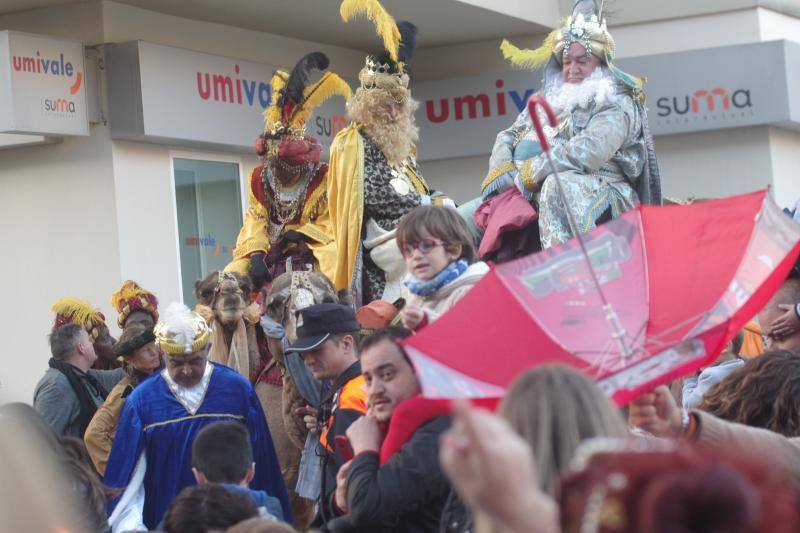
column 764, row 393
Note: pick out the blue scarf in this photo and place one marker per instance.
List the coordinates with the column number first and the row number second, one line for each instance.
column 448, row 274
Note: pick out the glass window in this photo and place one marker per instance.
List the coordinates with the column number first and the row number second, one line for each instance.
column 207, row 195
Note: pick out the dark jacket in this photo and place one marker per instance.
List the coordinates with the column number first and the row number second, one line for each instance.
column 406, row 494
column 456, row 517
column 345, row 403
column 55, row 400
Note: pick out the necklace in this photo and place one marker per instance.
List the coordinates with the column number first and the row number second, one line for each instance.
column 286, row 201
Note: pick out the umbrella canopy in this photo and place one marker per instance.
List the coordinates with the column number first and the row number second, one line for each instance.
column 680, row 282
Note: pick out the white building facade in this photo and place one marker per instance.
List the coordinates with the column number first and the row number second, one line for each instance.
column 151, row 181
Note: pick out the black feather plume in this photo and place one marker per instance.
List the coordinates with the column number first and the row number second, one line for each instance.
column 298, row 79
column 408, row 41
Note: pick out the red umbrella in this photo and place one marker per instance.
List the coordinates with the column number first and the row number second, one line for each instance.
column 679, row 282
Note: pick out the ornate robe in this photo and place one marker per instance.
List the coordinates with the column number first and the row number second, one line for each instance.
column 151, row 458
column 274, row 209
column 362, row 186
column 600, row 152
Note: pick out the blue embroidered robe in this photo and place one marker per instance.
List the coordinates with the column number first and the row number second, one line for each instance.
column 155, row 422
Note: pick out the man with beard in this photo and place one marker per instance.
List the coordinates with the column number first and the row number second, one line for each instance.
column 373, row 178
column 602, row 147
column 286, row 226
column 392, row 484
column 151, row 458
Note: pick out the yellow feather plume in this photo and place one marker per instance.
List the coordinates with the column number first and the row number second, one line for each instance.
column 529, row 59
column 385, row 25
column 79, row 311
column 130, row 289
column 273, row 113
column 329, row 85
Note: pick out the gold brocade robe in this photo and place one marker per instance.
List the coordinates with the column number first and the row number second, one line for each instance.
column 313, row 221
column 346, row 201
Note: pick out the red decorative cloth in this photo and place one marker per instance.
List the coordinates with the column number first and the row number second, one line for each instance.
column 295, row 151
column 503, row 213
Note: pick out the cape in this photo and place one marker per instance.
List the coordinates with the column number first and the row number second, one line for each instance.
column 346, row 201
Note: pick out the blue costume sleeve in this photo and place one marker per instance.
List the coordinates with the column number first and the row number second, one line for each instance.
column 128, row 445
column 268, row 476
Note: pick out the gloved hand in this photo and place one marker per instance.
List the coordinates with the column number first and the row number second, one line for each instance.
column 295, row 237
column 259, row 273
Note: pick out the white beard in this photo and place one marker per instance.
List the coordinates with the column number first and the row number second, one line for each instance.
column 566, row 97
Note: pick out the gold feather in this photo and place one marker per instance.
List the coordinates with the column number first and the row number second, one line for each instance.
column 80, row 312
column 385, row 26
column 273, row 113
column 329, row 85
column 130, row 289
column 529, row 59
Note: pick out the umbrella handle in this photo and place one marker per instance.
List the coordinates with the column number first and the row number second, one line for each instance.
column 537, row 100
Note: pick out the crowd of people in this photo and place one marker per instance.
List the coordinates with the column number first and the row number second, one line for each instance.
column 286, row 400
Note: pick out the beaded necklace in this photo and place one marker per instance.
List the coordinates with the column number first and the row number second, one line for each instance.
column 286, row 201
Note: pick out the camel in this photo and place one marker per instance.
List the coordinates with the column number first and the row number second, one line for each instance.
column 222, row 302
column 288, row 293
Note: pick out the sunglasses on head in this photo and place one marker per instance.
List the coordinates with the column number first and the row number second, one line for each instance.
column 425, row 246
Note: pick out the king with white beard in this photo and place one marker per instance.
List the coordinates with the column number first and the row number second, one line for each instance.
column 601, row 148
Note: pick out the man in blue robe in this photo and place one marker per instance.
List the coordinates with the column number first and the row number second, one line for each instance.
column 151, row 458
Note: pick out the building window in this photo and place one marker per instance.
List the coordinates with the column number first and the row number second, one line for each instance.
column 208, row 199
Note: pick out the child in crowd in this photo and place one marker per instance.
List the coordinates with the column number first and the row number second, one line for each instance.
column 696, row 386
column 208, row 507
column 222, row 454
column 441, row 262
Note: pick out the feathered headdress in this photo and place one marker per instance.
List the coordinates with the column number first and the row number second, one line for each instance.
column 585, row 26
column 385, row 26
column 293, row 100
column 70, row 310
column 132, row 297
column 387, row 70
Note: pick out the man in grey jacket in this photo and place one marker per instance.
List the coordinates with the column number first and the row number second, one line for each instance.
column 69, row 393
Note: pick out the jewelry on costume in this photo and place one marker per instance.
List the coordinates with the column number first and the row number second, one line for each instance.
column 286, row 202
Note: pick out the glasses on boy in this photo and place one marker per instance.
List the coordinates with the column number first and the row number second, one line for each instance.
column 425, row 246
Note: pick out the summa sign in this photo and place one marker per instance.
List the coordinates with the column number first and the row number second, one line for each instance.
column 164, row 94
column 720, row 88
column 42, row 85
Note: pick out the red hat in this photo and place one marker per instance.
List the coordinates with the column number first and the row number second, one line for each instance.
column 132, row 297
column 298, row 151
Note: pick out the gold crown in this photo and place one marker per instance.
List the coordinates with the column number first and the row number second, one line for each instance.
column 384, row 68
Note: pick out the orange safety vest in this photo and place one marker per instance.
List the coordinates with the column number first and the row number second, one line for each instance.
column 353, row 396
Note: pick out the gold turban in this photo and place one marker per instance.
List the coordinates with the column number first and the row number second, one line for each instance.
column 181, row 332
column 585, row 26
column 590, row 33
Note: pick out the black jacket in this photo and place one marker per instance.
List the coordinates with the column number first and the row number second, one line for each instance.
column 407, row 494
column 339, row 408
